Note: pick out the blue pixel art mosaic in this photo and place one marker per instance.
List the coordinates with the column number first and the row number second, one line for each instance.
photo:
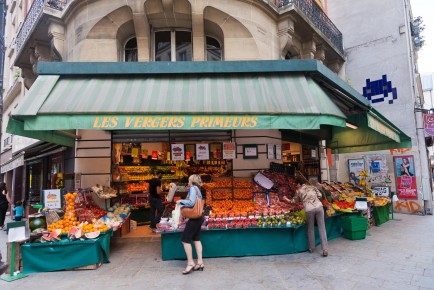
column 379, row 90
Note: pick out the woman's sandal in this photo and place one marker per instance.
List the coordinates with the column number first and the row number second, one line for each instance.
column 199, row 267
column 325, row 253
column 187, row 270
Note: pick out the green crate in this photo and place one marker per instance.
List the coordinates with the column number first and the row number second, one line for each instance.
column 354, row 223
column 381, row 214
column 354, row 235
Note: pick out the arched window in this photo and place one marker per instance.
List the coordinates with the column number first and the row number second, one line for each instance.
column 131, row 50
column 213, row 49
column 173, row 46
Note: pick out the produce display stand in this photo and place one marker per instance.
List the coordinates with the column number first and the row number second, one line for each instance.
column 65, row 254
column 253, row 241
column 381, row 214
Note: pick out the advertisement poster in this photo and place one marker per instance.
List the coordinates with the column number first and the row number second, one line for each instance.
column 279, row 152
column 202, row 151
column 405, row 176
column 355, row 166
column 229, row 151
column 52, row 199
column 428, row 124
column 270, row 151
column 377, row 169
column 178, row 152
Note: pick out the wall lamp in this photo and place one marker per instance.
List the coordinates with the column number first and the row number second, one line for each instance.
column 349, row 125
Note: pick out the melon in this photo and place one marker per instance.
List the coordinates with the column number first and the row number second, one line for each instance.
column 37, row 223
column 74, row 233
column 53, row 235
column 92, row 235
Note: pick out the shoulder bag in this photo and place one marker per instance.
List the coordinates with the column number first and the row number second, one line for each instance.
column 194, row 212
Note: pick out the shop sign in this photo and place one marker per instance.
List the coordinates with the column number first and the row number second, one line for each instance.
column 428, row 124
column 405, row 176
column 278, row 152
column 229, row 151
column 180, row 122
column 52, row 198
column 202, row 151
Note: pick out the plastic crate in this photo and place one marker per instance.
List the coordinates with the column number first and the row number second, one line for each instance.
column 354, row 223
column 354, row 235
column 381, row 214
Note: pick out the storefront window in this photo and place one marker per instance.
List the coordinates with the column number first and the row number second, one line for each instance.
column 34, row 182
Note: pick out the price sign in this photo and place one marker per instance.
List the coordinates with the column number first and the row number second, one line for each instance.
column 381, row 190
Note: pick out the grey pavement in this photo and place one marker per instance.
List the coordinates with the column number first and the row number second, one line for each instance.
column 396, row 255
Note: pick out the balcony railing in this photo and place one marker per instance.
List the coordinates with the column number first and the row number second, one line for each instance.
column 319, row 19
column 35, row 13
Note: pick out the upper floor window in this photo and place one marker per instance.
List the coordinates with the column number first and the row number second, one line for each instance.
column 213, row 49
column 173, row 46
column 131, row 50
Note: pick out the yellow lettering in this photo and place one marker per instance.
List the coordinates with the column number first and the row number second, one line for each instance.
column 195, row 121
column 114, row 122
column 228, row 122
column 96, row 123
column 236, row 123
column 181, row 122
column 105, row 123
column 155, row 122
column 219, row 121
column 137, row 122
column 163, row 123
column 254, row 121
column 129, row 121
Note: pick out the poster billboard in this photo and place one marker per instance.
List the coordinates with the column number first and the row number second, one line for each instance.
column 405, row 176
column 355, row 166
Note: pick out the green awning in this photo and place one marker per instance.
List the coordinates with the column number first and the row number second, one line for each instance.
column 194, row 101
column 374, row 133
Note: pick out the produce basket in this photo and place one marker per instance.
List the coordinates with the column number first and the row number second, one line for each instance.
column 263, row 181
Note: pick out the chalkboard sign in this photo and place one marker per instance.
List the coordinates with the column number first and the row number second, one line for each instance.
column 381, row 190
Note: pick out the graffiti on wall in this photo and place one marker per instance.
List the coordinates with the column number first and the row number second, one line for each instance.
column 408, row 206
column 379, row 90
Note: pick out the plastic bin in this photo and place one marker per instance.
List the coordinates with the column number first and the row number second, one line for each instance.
column 354, row 223
column 354, row 235
column 381, row 214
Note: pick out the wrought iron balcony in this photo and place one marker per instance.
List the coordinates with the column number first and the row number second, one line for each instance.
column 35, row 13
column 321, row 21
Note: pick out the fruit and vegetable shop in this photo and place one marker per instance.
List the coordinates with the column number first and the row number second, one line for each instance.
column 247, row 130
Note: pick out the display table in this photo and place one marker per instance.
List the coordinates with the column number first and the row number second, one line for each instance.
column 249, row 242
column 65, row 254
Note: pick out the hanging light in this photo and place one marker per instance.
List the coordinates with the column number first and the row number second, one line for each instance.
column 349, row 125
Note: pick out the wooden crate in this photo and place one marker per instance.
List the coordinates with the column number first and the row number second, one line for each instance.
column 125, row 229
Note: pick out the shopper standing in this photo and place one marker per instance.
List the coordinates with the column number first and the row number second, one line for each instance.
column 310, row 196
column 193, row 227
column 155, row 200
column 4, row 204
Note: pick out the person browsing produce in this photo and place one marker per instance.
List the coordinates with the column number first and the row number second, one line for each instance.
column 193, row 226
column 309, row 195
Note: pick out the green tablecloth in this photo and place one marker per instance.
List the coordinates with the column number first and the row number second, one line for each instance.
column 65, row 254
column 248, row 242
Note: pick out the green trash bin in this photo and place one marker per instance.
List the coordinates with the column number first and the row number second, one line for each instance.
column 381, row 214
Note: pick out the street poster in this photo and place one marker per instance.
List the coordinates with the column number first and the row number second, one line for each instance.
column 278, row 152
column 428, row 124
column 355, row 166
column 270, row 151
column 405, row 176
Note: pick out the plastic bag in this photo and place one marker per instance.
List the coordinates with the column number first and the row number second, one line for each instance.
column 176, row 215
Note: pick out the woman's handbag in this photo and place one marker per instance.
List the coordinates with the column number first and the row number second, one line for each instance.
column 194, row 212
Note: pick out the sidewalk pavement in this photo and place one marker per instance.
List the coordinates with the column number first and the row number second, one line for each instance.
column 396, row 255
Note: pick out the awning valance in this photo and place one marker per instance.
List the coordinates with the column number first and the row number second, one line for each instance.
column 254, row 101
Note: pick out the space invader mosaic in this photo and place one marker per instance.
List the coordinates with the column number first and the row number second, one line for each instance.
column 379, row 90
